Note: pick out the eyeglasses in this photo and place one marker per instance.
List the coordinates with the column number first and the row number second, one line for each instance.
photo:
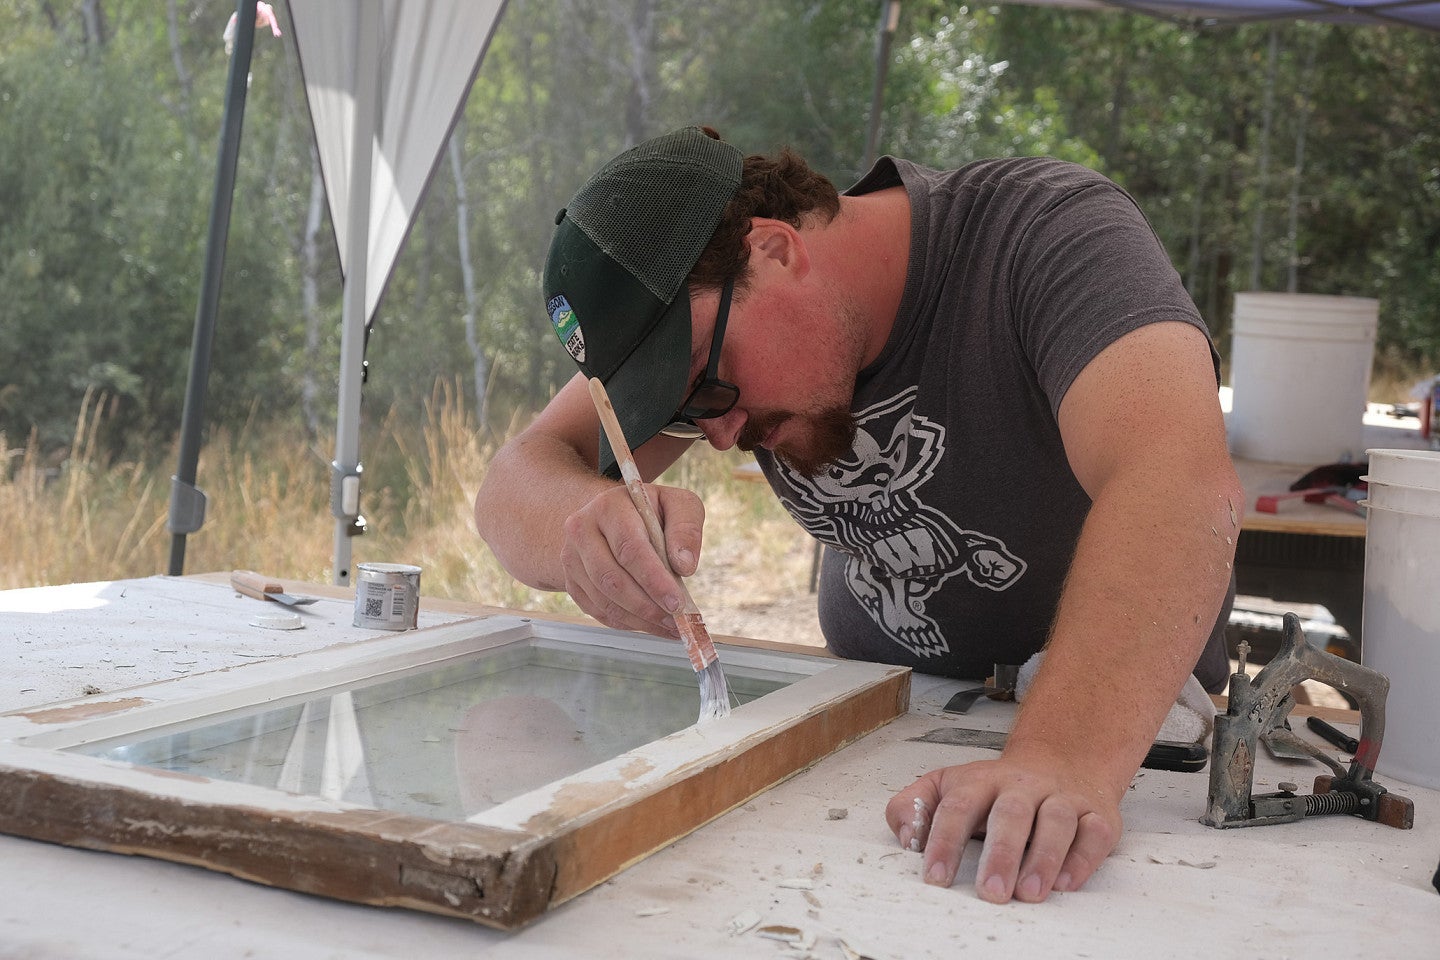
column 711, row 397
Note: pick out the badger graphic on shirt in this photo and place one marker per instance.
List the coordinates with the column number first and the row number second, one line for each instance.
column 899, row 550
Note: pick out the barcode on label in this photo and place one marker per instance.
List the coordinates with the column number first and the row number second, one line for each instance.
column 397, row 602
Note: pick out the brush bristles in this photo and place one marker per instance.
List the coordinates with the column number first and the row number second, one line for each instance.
column 714, row 693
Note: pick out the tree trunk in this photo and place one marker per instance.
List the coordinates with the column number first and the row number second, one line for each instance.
column 310, row 301
column 1197, row 219
column 1119, row 100
column 182, row 76
column 467, row 274
column 640, row 32
column 92, row 14
column 1257, row 241
column 1302, row 122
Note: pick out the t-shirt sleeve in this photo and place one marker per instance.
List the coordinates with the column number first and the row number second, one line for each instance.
column 1089, row 269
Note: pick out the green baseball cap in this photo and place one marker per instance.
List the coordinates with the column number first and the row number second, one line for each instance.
column 615, row 278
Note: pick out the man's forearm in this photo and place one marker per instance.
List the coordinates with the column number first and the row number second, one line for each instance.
column 1149, row 576
column 531, row 485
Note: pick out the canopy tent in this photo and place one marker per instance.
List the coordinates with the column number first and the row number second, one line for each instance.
column 1424, row 14
column 385, row 81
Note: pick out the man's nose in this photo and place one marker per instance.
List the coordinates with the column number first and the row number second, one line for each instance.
column 722, row 432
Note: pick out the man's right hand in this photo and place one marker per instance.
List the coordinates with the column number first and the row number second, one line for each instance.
column 611, row 570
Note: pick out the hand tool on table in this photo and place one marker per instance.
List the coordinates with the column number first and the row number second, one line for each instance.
column 1329, row 495
column 998, row 686
column 714, row 691
column 1163, row 754
column 1331, row 735
column 1260, row 706
column 256, row 585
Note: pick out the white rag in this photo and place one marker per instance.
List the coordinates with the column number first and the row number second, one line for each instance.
column 1190, row 720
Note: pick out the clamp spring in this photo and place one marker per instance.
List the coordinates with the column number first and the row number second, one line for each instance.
column 1321, row 804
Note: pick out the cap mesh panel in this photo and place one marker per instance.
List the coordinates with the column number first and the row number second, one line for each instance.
column 654, row 208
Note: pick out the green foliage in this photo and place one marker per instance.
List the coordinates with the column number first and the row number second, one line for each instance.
column 1176, row 114
column 109, row 127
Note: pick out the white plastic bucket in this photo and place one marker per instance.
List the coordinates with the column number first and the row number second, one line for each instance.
column 1401, row 622
column 1300, row 375
column 1408, row 468
column 1416, row 500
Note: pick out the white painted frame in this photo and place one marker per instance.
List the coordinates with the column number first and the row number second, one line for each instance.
column 504, row 866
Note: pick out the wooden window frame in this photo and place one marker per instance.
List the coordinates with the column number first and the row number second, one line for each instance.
column 502, row 867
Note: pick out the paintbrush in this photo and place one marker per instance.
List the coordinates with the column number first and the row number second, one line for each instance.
column 714, row 692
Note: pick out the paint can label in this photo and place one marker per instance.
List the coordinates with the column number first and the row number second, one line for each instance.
column 387, row 596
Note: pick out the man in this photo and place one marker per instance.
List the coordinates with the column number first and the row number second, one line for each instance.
column 985, row 390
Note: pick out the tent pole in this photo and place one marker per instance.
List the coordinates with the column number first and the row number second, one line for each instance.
column 187, row 502
column 345, row 469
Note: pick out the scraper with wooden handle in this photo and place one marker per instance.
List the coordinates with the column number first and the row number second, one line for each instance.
column 252, row 584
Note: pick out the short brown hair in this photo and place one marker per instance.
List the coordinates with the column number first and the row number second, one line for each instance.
column 782, row 187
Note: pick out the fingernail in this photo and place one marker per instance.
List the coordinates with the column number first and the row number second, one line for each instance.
column 1062, row 882
column 685, row 559
column 673, row 603
column 1029, row 888
column 906, row 834
column 993, row 889
column 937, row 875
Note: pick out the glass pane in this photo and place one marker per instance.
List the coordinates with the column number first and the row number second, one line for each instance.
column 451, row 739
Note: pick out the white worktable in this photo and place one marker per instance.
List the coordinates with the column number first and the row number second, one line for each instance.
column 1174, row 887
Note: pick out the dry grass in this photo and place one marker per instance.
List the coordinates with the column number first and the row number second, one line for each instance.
column 268, row 489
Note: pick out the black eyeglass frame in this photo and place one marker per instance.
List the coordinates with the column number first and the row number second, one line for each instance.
column 711, row 397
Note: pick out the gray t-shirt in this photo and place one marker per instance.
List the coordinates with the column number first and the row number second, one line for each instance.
column 950, row 527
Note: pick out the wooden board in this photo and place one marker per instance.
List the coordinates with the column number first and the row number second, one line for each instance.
column 503, row 866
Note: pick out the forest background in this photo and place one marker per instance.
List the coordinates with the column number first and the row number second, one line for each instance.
column 1285, row 156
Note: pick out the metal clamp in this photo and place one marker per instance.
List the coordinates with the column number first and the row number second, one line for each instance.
column 1260, row 708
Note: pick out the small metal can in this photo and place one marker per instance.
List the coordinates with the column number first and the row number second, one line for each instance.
column 387, row 596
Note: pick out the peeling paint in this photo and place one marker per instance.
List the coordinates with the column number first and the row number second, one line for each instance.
column 83, row 711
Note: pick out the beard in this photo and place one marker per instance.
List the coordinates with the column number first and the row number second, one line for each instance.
column 830, row 438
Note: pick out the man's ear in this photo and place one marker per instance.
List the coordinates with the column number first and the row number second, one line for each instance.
column 775, row 244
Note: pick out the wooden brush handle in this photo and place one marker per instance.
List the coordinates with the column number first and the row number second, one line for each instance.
column 635, row 484
column 629, row 472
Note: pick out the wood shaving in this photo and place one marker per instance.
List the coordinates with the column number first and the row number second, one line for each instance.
column 1176, row 861
column 852, row 952
column 794, row 936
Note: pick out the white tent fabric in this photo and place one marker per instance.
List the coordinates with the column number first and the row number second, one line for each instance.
column 427, row 56
column 385, row 80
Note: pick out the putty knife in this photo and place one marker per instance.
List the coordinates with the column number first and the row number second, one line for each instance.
column 1163, row 754
column 252, row 584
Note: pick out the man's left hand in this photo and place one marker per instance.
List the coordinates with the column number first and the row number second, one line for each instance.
column 1046, row 827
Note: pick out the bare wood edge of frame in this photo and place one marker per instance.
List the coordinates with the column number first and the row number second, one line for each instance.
column 498, row 876
column 598, row 847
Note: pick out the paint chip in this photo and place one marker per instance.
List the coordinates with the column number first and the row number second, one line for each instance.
column 794, row 936
column 1176, row 861
column 796, row 883
column 837, row 813
column 854, row 953
column 742, row 922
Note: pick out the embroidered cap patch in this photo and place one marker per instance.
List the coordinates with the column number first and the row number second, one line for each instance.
column 567, row 327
